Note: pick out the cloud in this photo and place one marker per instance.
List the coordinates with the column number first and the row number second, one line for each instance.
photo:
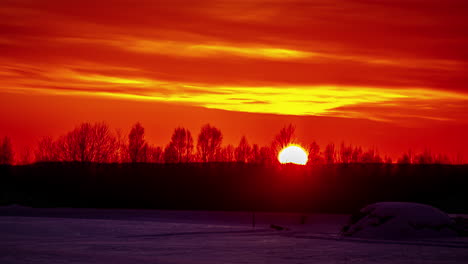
column 375, row 103
column 357, row 59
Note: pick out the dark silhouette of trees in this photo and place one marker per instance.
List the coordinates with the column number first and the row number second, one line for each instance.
column 182, row 145
column 47, row 150
column 442, row 159
column 388, row 160
column 170, row 154
column 425, row 157
column 346, row 153
column 121, row 153
column 314, row 153
column 459, row 158
column 96, row 143
column 88, row 143
column 356, row 157
column 255, row 154
column 6, row 151
column 154, row 154
column 406, row 158
column 267, row 156
column 243, row 150
column 227, row 154
column 284, row 138
column 209, row 143
column 137, row 146
column 26, row 156
column 330, row 153
column 371, row 156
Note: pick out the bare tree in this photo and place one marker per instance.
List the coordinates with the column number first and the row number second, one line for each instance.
column 120, row 155
column 283, row 138
column 170, row 154
column 226, row 154
column 330, row 153
column 267, row 155
column 105, row 143
column 388, row 160
column 209, row 143
column 46, row 150
column 255, row 156
column 6, row 151
column 137, row 145
column 155, row 155
column 88, row 143
column 182, row 142
column 459, row 158
column 404, row 159
column 442, row 159
column 371, row 156
column 26, row 156
column 356, row 157
column 243, row 150
column 314, row 153
column 346, row 153
column 425, row 157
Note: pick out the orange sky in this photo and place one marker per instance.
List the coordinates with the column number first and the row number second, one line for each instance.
column 387, row 74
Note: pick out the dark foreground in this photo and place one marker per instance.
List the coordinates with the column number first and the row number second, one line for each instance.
column 148, row 236
column 340, row 188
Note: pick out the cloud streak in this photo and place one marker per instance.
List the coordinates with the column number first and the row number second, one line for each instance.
column 385, row 61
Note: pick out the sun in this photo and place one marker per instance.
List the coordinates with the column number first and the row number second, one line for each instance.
column 293, row 154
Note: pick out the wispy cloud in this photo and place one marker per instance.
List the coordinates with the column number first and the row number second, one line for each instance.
column 357, row 59
column 377, row 103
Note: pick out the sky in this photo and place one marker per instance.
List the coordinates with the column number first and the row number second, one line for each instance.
column 391, row 75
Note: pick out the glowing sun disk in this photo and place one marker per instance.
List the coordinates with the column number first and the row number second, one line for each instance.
column 293, row 154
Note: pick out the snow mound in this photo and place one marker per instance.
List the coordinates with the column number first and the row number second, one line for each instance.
column 398, row 221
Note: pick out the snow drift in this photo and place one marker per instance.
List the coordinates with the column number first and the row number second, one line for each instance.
column 398, row 220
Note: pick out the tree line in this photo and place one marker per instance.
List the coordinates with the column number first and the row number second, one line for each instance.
column 98, row 143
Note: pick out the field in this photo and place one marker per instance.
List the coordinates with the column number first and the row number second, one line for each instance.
column 216, row 213
column 150, row 236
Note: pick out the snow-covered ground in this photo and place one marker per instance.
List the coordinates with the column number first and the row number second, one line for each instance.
column 146, row 236
column 401, row 221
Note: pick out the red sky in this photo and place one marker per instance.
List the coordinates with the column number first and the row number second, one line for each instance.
column 385, row 74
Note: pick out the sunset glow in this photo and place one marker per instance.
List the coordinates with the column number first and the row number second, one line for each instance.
column 248, row 67
column 293, row 154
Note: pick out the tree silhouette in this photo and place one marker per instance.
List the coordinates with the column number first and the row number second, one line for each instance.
column 121, row 154
column 170, row 154
column 88, row 143
column 155, row 155
column 283, row 138
column 6, row 151
column 356, row 157
column 227, row 154
column 346, row 153
column 330, row 153
column 255, row 156
column 209, row 143
column 137, row 146
column 26, row 156
column 424, row 158
column 47, row 150
column 243, row 150
column 388, row 160
column 182, row 142
column 267, row 156
column 404, row 159
column 442, row 159
column 314, row 153
column 371, row 156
